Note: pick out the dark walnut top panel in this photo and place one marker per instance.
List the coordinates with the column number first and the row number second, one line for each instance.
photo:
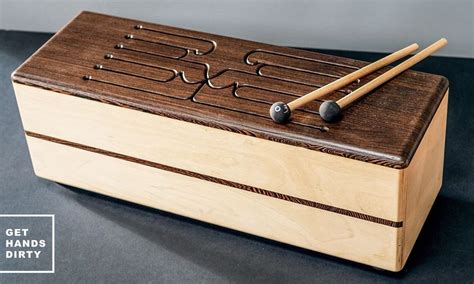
column 230, row 84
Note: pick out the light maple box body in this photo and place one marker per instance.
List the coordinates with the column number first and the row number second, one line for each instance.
column 178, row 120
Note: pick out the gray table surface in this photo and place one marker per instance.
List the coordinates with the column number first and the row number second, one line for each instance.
column 106, row 240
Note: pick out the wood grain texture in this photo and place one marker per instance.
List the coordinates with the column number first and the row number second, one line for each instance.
column 229, row 84
column 276, row 219
column 284, row 169
column 235, row 185
column 352, row 77
column 390, row 74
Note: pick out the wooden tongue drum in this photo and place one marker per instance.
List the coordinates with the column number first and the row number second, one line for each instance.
column 330, row 111
column 178, row 120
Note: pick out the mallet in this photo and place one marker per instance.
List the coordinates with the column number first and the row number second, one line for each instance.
column 281, row 112
column 331, row 110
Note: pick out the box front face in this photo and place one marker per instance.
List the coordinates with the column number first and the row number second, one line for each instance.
column 313, row 203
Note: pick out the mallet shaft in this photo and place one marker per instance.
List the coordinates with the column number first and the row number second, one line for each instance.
column 341, row 82
column 357, row 94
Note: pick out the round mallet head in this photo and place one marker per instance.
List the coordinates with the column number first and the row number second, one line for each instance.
column 330, row 111
column 280, row 112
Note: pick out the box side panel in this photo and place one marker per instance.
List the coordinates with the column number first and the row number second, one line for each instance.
column 328, row 179
column 281, row 220
column 423, row 178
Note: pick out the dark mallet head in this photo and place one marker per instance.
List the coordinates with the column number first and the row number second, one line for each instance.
column 330, row 111
column 280, row 112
